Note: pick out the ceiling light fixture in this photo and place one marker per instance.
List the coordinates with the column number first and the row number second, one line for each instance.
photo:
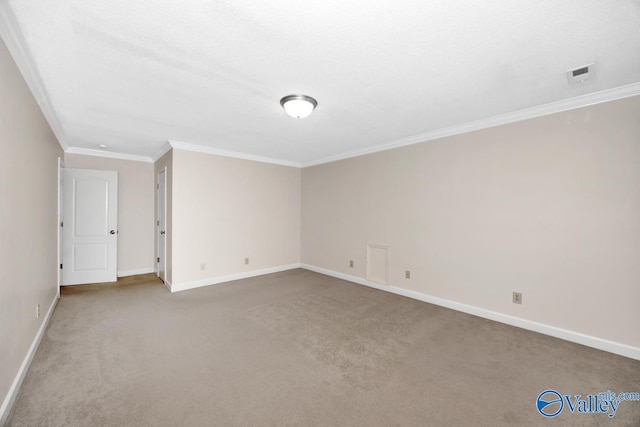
column 298, row 106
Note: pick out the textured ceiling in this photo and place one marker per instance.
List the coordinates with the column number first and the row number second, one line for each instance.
column 134, row 74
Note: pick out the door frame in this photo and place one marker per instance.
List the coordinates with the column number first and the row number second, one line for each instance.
column 59, row 221
column 159, row 227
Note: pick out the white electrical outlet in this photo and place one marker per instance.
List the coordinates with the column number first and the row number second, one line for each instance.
column 517, row 297
column 407, row 274
column 351, row 263
column 246, row 261
column 203, row 267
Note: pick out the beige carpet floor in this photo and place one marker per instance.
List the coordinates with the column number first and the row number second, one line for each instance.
column 299, row 349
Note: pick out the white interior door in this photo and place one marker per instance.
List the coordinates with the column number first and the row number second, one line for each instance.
column 60, row 219
column 90, row 226
column 162, row 221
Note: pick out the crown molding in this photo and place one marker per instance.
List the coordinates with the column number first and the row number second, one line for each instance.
column 516, row 116
column 502, row 119
column 227, row 153
column 16, row 44
column 13, row 38
column 108, row 154
column 161, row 152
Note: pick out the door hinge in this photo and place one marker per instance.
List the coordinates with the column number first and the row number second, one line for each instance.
column 158, row 186
column 60, row 266
column 158, row 259
column 157, row 222
column 61, row 224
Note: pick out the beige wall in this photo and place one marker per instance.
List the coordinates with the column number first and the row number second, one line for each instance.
column 28, row 219
column 549, row 207
column 135, row 209
column 166, row 161
column 226, row 209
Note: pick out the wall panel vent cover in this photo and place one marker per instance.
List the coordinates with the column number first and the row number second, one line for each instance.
column 582, row 73
column 378, row 263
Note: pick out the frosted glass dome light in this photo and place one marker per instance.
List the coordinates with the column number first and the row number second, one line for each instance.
column 298, row 106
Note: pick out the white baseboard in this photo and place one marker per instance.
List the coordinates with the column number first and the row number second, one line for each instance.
column 576, row 337
column 168, row 285
column 24, row 368
column 125, row 273
column 176, row 287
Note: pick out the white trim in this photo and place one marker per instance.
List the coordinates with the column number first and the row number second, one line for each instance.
column 228, row 153
column 168, row 285
column 489, row 122
column 502, row 119
column 126, row 273
column 108, row 154
column 14, row 39
column 176, row 287
column 161, row 256
column 24, row 368
column 163, row 150
column 567, row 335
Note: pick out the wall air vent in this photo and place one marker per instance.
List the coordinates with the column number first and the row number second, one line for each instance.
column 580, row 74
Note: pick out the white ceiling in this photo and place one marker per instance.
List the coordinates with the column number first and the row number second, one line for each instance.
column 134, row 74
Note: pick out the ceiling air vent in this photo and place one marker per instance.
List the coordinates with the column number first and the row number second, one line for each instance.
column 582, row 73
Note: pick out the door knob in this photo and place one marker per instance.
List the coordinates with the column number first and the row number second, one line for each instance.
column 112, row 232
column 162, row 232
